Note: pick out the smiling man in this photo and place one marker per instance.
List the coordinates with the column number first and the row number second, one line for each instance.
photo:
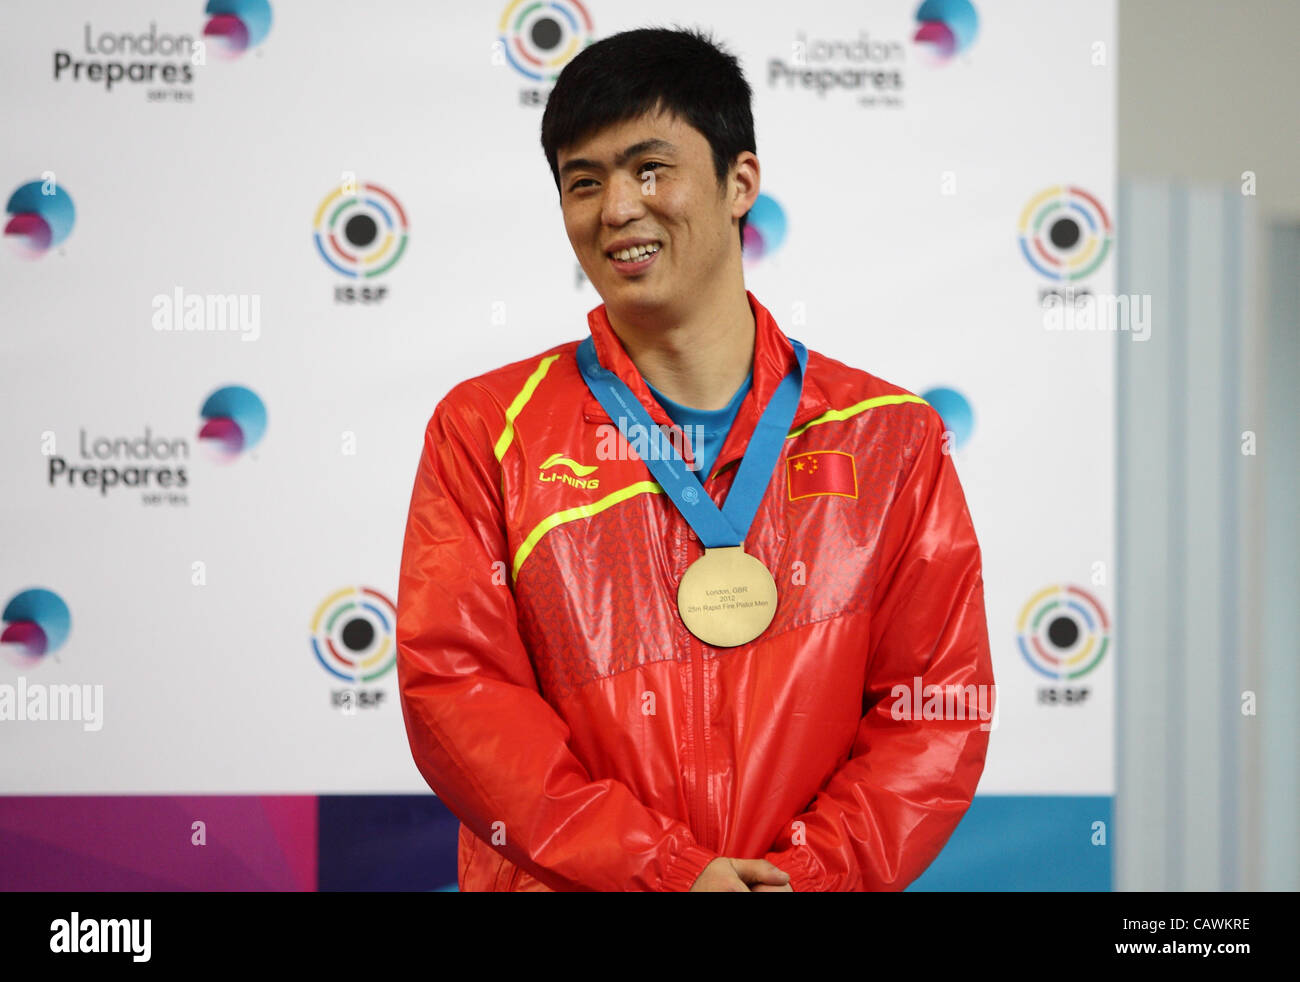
column 662, row 588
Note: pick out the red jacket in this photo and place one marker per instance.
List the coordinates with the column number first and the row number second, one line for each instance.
column 586, row 740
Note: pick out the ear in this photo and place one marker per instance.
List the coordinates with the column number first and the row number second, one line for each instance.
column 743, row 183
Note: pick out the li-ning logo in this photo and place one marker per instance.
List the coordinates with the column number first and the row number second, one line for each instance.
column 578, row 478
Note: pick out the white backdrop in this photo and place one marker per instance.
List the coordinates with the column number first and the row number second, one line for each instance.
column 901, row 258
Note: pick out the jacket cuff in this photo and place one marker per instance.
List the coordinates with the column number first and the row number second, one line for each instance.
column 804, row 876
column 686, row 868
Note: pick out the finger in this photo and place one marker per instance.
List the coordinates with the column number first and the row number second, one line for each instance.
column 760, row 871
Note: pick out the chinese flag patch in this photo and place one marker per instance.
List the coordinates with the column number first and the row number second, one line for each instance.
column 821, row 472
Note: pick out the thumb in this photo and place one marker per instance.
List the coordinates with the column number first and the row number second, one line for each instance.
column 760, row 871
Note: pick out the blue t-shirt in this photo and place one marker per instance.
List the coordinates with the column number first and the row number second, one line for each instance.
column 716, row 424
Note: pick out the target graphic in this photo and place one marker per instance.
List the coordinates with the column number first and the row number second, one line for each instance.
column 352, row 634
column 1065, row 233
column 1063, row 632
column 360, row 233
column 539, row 39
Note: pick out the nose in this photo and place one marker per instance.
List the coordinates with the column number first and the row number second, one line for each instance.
column 623, row 201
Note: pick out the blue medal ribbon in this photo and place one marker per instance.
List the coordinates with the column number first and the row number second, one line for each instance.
column 716, row 527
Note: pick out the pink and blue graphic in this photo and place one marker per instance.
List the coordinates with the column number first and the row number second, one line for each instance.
column 1063, row 632
column 765, row 228
column 36, row 624
column 947, row 27
column 41, row 216
column 539, row 39
column 955, row 411
column 234, row 420
column 234, row 26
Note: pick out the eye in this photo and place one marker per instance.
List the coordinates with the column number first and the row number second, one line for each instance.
column 577, row 184
column 651, row 163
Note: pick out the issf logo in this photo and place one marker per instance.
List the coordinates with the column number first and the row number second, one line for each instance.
column 1064, row 233
column 539, row 39
column 353, row 638
column 41, row 216
column 360, row 231
column 1063, row 634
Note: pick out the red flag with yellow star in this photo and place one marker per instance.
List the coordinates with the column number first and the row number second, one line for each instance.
column 821, row 472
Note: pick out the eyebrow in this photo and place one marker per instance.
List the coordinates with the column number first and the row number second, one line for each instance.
column 645, row 146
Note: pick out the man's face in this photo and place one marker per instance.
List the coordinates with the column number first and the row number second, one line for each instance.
column 651, row 179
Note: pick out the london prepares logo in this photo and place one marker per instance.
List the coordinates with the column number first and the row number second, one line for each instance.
column 957, row 415
column 765, row 228
column 235, row 26
column 36, row 624
column 233, row 422
column 41, row 216
column 868, row 68
column 162, row 62
column 945, row 28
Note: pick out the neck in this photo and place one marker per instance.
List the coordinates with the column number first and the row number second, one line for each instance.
column 697, row 359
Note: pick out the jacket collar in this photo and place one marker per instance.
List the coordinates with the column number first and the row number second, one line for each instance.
column 773, row 357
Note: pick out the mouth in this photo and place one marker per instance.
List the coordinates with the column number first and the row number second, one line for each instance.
column 629, row 261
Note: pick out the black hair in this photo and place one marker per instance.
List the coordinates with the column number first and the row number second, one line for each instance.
column 626, row 75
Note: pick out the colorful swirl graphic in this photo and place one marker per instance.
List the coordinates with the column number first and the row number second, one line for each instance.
column 39, row 221
column 540, row 38
column 361, row 235
column 234, row 420
column 1063, row 632
column 1065, row 233
column 947, row 27
column 236, row 25
column 37, row 623
column 352, row 634
column 765, row 228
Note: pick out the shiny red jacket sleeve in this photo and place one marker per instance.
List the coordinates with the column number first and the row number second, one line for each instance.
column 481, row 734
column 886, row 813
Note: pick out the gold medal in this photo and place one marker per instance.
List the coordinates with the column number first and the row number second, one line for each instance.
column 726, row 597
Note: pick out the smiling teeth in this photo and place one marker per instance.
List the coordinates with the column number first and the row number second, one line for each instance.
column 624, row 255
